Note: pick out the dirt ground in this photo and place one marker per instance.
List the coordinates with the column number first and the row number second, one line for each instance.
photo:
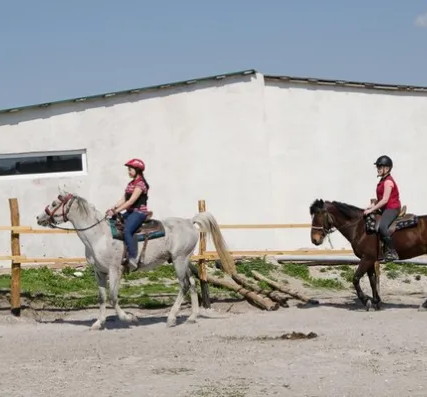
column 230, row 352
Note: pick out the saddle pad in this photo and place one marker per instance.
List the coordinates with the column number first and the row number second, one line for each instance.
column 399, row 224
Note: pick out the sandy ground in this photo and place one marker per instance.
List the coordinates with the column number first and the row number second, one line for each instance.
column 230, row 351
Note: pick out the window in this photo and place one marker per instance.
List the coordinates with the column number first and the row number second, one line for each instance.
column 43, row 163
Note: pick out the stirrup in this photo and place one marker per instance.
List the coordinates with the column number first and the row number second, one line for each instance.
column 391, row 256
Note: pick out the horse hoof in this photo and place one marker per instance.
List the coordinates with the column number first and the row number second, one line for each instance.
column 191, row 320
column 132, row 318
column 96, row 326
column 368, row 305
column 422, row 308
column 171, row 322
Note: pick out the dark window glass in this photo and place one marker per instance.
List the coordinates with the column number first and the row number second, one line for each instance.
column 41, row 164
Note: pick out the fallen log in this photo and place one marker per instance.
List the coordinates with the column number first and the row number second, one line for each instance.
column 279, row 298
column 264, row 303
column 273, row 295
column 282, row 288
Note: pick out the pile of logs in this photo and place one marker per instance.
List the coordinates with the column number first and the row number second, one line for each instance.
column 265, row 299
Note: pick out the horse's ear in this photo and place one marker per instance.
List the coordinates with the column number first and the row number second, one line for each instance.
column 62, row 191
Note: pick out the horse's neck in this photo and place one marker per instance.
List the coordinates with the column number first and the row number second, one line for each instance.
column 95, row 230
column 347, row 227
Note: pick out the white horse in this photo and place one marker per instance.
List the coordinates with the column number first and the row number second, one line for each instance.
column 105, row 253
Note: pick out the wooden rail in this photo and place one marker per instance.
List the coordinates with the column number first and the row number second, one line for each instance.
column 18, row 259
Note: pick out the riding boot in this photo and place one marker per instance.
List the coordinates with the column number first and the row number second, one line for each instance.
column 133, row 262
column 390, row 253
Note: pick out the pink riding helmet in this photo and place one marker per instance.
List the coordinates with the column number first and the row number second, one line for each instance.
column 136, row 163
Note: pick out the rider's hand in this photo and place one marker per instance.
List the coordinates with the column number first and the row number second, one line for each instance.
column 367, row 211
column 109, row 212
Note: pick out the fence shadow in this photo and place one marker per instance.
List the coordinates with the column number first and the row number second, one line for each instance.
column 356, row 306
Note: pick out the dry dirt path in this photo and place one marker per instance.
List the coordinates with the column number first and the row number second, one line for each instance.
column 356, row 353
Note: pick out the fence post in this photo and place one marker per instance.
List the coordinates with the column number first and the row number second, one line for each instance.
column 15, row 287
column 206, row 302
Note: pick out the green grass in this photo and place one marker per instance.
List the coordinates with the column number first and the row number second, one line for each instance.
column 160, row 273
column 302, row 272
column 346, row 272
column 47, row 281
column 258, row 264
column 393, row 270
column 64, row 290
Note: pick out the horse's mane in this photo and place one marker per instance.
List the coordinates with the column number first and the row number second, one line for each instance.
column 84, row 208
column 348, row 210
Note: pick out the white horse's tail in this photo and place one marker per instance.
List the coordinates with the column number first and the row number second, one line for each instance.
column 208, row 224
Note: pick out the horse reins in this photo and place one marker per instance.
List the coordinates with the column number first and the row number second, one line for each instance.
column 68, row 199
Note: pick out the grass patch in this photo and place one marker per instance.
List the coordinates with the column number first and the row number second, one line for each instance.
column 62, row 289
column 394, row 270
column 160, row 273
column 302, row 272
column 45, row 280
column 258, row 264
column 346, row 272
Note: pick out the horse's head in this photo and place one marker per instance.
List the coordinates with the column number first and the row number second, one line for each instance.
column 322, row 222
column 57, row 212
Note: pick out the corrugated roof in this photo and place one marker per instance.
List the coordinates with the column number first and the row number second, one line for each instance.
column 347, row 83
column 285, row 79
column 132, row 91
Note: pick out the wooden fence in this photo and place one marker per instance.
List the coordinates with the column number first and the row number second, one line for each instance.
column 18, row 259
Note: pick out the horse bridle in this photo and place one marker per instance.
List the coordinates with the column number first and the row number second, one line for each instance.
column 68, row 199
column 327, row 231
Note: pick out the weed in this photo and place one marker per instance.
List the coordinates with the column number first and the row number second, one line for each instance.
column 346, row 272
column 157, row 274
column 302, row 272
column 258, row 264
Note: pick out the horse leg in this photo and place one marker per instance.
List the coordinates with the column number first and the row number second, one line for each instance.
column 373, row 277
column 359, row 273
column 114, row 275
column 101, row 279
column 194, row 298
column 181, row 269
column 171, row 321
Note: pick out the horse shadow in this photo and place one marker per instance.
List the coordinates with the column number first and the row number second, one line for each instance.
column 113, row 322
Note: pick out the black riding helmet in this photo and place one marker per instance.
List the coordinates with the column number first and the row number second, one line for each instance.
column 384, row 161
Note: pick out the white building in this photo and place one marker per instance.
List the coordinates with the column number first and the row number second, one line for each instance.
column 257, row 148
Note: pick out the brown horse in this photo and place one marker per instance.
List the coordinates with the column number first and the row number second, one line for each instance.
column 409, row 233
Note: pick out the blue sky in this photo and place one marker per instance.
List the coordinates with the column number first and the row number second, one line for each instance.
column 54, row 49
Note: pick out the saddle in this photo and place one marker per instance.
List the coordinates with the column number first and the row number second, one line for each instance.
column 149, row 230
column 403, row 221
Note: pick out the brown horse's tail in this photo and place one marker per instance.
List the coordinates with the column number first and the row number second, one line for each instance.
column 208, row 223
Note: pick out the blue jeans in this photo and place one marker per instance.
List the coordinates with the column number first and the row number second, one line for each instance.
column 133, row 220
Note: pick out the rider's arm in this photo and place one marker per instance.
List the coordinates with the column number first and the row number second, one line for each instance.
column 126, row 204
column 119, row 203
column 388, row 186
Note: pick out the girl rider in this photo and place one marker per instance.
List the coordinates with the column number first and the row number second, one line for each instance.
column 388, row 203
column 134, row 202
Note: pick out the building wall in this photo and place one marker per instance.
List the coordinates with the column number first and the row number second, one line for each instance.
column 257, row 151
column 324, row 141
column 199, row 143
